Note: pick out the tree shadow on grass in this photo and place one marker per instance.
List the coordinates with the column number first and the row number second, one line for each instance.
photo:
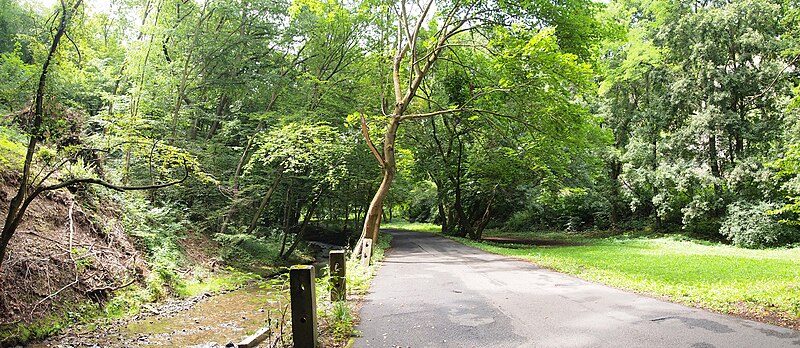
column 512, row 241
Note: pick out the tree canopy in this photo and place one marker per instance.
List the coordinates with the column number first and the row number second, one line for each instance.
column 675, row 116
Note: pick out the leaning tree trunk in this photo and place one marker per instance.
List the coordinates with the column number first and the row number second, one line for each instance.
column 265, row 201
column 19, row 203
column 373, row 215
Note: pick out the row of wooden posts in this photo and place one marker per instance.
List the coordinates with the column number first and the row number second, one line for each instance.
column 302, row 290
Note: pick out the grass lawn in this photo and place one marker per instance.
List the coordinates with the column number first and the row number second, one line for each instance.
column 761, row 284
column 411, row 226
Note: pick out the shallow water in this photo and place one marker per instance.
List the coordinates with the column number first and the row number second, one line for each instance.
column 214, row 321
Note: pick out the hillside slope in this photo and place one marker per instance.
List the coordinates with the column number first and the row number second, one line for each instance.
column 64, row 252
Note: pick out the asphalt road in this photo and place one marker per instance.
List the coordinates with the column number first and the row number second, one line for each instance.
column 433, row 292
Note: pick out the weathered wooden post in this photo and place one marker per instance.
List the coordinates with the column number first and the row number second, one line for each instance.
column 366, row 253
column 338, row 270
column 304, row 306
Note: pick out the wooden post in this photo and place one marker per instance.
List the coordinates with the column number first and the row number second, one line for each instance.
column 304, row 306
column 366, row 252
column 338, row 276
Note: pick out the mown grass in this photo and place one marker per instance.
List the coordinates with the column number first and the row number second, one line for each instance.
column 728, row 279
column 719, row 277
column 411, row 226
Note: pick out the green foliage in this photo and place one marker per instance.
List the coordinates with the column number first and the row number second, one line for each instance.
column 412, row 226
column 422, row 206
column 158, row 229
column 788, row 172
column 694, row 98
column 341, row 320
column 241, row 249
column 575, row 23
column 359, row 277
column 75, row 314
column 753, row 225
column 579, row 115
column 337, row 316
column 313, row 151
column 18, row 79
column 12, row 148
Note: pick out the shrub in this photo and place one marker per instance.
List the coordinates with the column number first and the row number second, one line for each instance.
column 750, row 225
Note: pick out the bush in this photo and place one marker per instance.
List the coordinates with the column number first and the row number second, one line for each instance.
column 245, row 247
column 750, row 225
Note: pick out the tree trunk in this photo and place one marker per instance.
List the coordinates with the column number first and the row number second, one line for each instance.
column 19, row 203
column 265, row 201
column 373, row 215
column 235, row 182
column 346, row 217
column 483, row 220
column 480, row 225
column 301, row 231
column 460, row 227
column 185, row 73
column 193, row 128
column 136, row 99
column 420, row 67
column 712, row 156
column 218, row 113
column 616, row 169
column 463, row 224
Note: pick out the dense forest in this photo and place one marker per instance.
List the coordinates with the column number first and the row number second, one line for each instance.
column 262, row 123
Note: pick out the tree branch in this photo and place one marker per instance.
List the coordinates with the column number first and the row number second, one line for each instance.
column 370, row 144
column 105, row 184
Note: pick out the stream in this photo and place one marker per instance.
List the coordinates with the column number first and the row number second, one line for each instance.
column 201, row 321
column 211, row 321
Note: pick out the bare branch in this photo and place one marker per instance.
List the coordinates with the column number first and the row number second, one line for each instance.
column 774, row 81
column 413, row 38
column 486, row 92
column 78, row 50
column 398, row 60
column 431, row 114
column 370, row 144
column 478, row 111
column 428, row 99
column 105, row 184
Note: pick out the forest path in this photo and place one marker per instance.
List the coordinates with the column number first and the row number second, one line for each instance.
column 434, row 292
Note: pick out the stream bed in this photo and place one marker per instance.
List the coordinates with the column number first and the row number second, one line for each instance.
column 206, row 321
column 201, row 321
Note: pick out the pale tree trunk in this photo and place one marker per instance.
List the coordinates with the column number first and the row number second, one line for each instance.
column 235, row 182
column 120, row 74
column 136, row 98
column 179, row 98
column 373, row 215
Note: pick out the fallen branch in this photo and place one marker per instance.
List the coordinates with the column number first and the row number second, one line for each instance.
column 98, row 293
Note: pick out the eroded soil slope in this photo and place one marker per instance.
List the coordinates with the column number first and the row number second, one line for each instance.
column 67, row 249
